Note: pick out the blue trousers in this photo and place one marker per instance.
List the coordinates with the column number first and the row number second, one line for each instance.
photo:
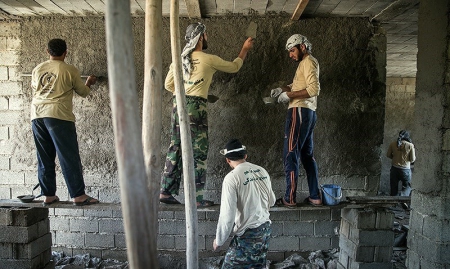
column 299, row 146
column 403, row 175
column 58, row 137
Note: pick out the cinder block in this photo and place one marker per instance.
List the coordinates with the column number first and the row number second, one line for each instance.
column 37, row 262
column 98, row 213
column 8, row 28
column 378, row 238
column 4, row 132
column 9, row 57
column 383, row 254
column 3, row 73
column 298, row 228
column 315, row 215
column 15, row 103
column 366, row 219
column 166, row 242
column 117, row 254
column 4, row 104
column 59, row 224
column 69, row 212
column 9, row 117
column 166, row 215
column 33, row 249
column 4, row 162
column 111, row 226
column 69, row 239
column 344, row 229
column 325, row 228
column 172, row 227
column 24, row 216
column 13, row 178
column 283, row 215
column 7, row 147
column 315, row 243
column 180, row 243
column 84, row 225
column 206, row 228
column 286, row 243
column 6, row 251
column 355, row 252
column 99, row 240
column 385, row 220
column 18, row 234
column 11, row 88
column 277, row 228
column 214, row 216
column 120, row 241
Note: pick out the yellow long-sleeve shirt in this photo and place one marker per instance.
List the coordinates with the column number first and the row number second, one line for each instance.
column 306, row 77
column 204, row 67
column 402, row 156
column 53, row 83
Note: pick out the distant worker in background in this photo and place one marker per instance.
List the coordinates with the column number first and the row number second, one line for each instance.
column 247, row 196
column 198, row 71
column 301, row 119
column 403, row 154
column 53, row 123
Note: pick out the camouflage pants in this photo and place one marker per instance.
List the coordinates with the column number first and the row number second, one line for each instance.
column 173, row 169
column 250, row 249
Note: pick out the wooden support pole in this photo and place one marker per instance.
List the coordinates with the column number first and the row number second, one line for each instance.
column 299, row 9
column 186, row 143
column 152, row 114
column 127, row 131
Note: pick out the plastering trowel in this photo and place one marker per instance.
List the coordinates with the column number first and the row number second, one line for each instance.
column 251, row 30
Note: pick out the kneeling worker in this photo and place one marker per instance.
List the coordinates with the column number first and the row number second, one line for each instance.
column 247, row 196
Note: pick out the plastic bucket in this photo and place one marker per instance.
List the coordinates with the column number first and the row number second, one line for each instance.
column 331, row 194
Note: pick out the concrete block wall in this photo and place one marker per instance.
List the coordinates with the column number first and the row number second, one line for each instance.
column 25, row 238
column 366, row 239
column 101, row 232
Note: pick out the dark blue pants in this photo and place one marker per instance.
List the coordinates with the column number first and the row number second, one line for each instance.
column 54, row 136
column 298, row 146
column 403, row 175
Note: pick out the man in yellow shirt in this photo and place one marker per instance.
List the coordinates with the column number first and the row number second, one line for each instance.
column 53, row 123
column 198, row 70
column 300, row 121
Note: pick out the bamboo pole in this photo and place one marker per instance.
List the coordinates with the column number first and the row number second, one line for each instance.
column 127, row 130
column 152, row 114
column 186, row 143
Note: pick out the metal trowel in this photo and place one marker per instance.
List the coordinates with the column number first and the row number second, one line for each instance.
column 251, row 30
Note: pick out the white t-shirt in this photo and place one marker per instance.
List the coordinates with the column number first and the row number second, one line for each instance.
column 247, row 196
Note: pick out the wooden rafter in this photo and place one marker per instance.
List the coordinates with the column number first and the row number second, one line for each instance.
column 193, row 8
column 299, row 9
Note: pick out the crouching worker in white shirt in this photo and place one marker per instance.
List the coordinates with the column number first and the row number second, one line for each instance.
column 246, row 198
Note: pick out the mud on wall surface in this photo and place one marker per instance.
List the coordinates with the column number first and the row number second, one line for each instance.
column 350, row 107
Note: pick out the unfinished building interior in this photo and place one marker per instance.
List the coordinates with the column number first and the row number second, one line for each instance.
column 385, row 66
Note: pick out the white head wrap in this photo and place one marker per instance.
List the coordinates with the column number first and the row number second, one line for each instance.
column 298, row 39
column 193, row 33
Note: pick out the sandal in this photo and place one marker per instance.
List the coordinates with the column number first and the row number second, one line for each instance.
column 89, row 201
column 51, row 202
column 309, row 202
column 281, row 202
column 169, row 200
column 204, row 203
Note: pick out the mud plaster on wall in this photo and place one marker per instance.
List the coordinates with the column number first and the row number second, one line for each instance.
column 350, row 109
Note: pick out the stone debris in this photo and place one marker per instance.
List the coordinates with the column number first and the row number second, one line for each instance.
column 85, row 261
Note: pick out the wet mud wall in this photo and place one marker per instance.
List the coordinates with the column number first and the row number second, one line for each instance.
column 350, row 111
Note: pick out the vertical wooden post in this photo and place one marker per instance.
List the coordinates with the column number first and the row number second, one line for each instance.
column 186, row 143
column 127, row 130
column 152, row 114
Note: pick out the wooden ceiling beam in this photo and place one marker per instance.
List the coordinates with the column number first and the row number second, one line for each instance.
column 299, row 9
column 193, row 8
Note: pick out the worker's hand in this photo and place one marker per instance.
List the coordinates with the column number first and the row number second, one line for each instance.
column 275, row 92
column 215, row 246
column 283, row 98
column 91, row 80
column 248, row 44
